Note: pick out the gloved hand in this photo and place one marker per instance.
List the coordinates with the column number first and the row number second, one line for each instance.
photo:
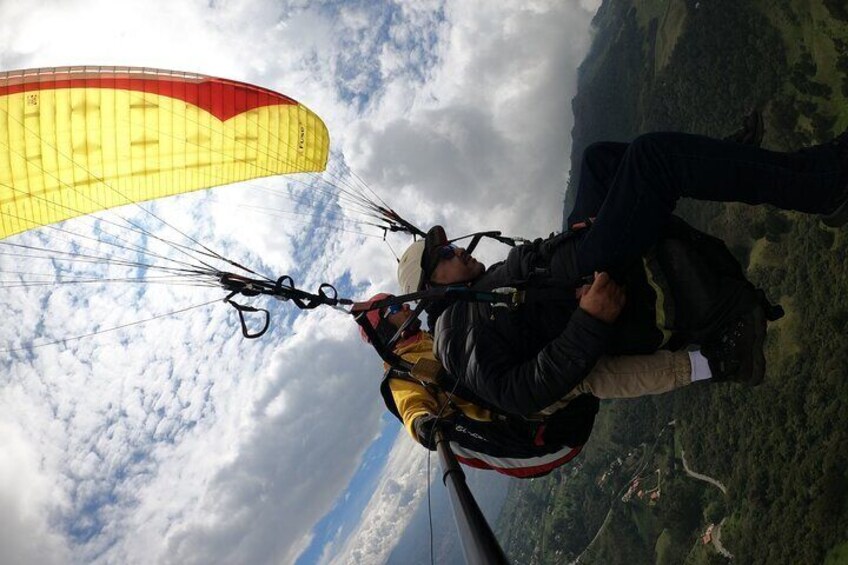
column 425, row 430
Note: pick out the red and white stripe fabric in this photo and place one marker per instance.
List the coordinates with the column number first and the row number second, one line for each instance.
column 515, row 467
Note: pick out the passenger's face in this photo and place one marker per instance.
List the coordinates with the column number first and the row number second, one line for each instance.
column 400, row 317
column 458, row 268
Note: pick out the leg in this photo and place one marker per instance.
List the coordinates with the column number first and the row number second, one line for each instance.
column 658, row 168
column 632, row 376
column 600, row 163
column 597, row 171
column 638, row 375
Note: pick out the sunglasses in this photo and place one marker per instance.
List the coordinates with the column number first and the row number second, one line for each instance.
column 393, row 309
column 446, row 251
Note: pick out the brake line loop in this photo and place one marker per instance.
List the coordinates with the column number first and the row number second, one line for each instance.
column 241, row 309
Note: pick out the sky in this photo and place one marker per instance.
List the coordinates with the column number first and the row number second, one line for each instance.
column 179, row 441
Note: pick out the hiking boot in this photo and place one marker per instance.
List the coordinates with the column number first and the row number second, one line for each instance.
column 736, row 355
column 751, row 132
column 839, row 216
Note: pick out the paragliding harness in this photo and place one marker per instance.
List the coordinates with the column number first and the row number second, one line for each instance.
column 483, row 436
column 718, row 293
column 283, row 289
column 711, row 257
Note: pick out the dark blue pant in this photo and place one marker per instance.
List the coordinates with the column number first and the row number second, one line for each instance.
column 632, row 189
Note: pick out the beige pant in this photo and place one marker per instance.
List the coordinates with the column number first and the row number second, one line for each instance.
column 631, row 376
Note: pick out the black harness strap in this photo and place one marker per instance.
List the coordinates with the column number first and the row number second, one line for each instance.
column 433, row 390
column 496, row 235
column 241, row 309
column 282, row 289
column 390, row 357
column 409, row 321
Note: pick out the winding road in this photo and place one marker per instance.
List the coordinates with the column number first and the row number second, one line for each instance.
column 716, row 483
column 701, row 477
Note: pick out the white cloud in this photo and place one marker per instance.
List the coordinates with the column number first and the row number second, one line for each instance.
column 401, row 489
column 25, row 493
column 484, row 141
column 179, row 441
column 178, row 435
column 257, row 501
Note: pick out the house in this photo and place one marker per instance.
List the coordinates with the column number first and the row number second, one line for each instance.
column 631, row 490
column 708, row 535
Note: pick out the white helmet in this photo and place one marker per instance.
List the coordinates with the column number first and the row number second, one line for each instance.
column 418, row 261
column 409, row 271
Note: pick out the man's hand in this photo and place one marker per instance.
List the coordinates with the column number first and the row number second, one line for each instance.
column 604, row 299
column 425, row 429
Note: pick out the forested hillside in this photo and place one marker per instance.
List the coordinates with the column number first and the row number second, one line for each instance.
column 781, row 449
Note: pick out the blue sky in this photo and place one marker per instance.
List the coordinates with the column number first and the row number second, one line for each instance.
column 178, row 441
column 338, row 523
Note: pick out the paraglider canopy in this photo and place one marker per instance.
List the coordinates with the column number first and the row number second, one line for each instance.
column 77, row 140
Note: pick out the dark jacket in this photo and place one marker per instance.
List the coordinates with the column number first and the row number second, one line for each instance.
column 524, row 360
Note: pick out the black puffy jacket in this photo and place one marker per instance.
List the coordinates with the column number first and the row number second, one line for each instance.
column 524, row 360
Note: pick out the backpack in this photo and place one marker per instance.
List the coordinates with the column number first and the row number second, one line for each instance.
column 690, row 287
column 701, row 285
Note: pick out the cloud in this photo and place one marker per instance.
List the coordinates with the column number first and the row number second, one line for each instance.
column 180, row 440
column 484, row 140
column 258, row 502
column 25, row 493
column 402, row 487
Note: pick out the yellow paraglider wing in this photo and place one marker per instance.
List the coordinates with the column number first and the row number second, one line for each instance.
column 78, row 140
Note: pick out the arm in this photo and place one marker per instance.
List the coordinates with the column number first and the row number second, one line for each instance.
column 527, row 386
column 415, row 406
column 488, row 365
column 486, row 358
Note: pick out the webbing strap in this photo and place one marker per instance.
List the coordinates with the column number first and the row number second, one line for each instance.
column 241, row 309
column 393, row 359
column 426, row 370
